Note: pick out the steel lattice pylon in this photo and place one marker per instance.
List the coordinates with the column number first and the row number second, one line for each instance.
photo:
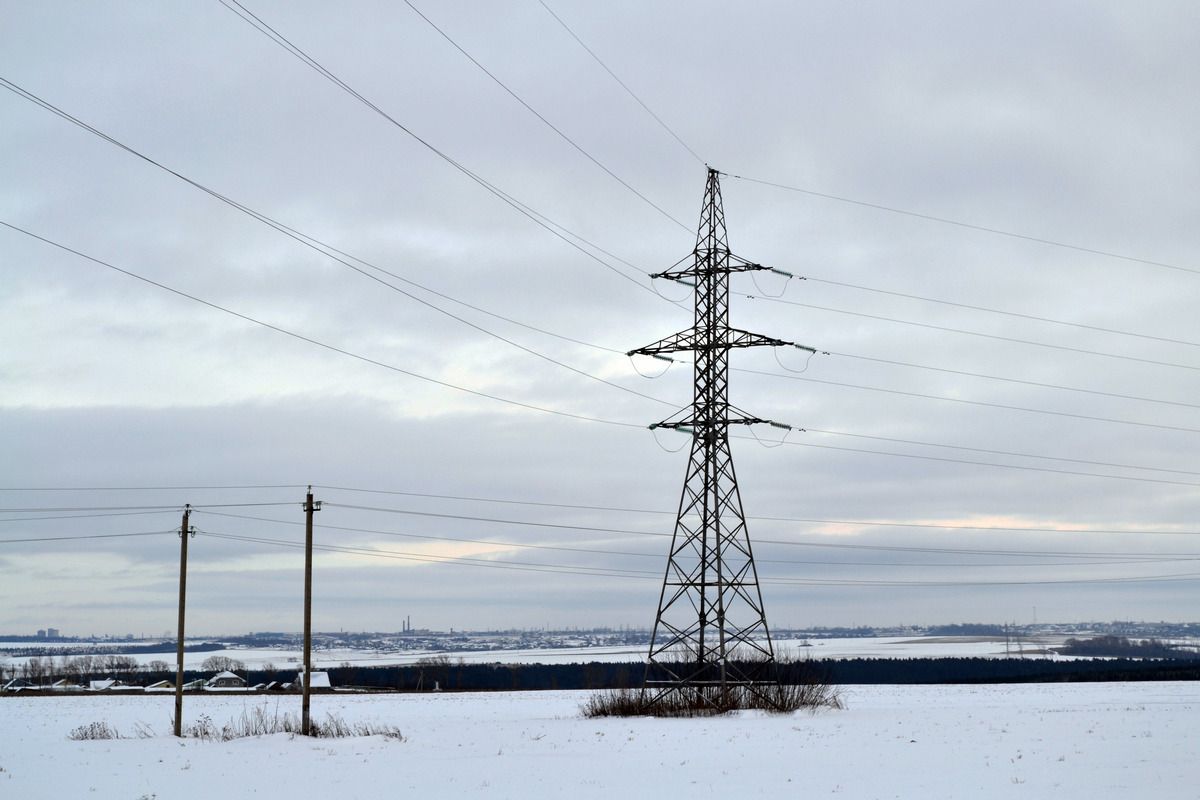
column 711, row 629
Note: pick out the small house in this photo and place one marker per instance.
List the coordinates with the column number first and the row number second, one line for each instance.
column 225, row 680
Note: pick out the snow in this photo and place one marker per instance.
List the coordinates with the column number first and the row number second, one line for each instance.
column 1014, row 741
column 320, row 680
column 857, row 647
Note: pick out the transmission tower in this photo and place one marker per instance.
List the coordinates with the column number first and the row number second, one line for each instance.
column 711, row 631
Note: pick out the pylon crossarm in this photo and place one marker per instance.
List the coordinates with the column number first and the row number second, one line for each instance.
column 706, row 264
column 675, row 343
column 736, row 337
column 723, row 339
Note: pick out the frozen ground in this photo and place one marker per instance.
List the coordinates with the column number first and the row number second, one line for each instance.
column 1027, row 741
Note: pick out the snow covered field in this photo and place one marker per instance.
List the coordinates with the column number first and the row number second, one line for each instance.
column 1033, row 740
column 858, row 647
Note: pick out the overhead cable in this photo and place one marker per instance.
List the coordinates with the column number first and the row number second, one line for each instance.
column 668, row 512
column 967, row 225
column 979, row 334
column 262, row 27
column 1089, row 559
column 545, row 121
column 316, row 342
column 1016, row 314
column 332, row 253
column 982, row 403
column 647, row 575
column 84, row 536
column 623, row 85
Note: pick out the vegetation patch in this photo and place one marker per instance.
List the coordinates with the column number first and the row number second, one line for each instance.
column 93, row 730
column 777, row 698
column 261, row 722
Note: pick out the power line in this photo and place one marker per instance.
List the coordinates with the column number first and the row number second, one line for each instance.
column 1137, row 558
column 592, row 53
column 1020, row 381
column 531, row 406
column 1016, row 314
column 967, row 225
column 521, row 566
column 147, row 488
column 85, row 516
column 48, row 106
column 982, row 403
column 496, row 520
column 619, row 509
column 996, row 337
column 262, row 27
column 946, row 460
column 87, row 536
column 547, row 122
column 55, row 509
column 1168, row 578
column 567, row 414
column 1000, row 452
column 329, row 252
column 644, row 575
column 626, row 531
column 439, row 538
column 1088, row 558
column 316, row 342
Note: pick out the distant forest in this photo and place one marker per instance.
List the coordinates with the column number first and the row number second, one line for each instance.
column 449, row 676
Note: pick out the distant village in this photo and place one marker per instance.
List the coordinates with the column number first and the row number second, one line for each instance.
column 49, row 661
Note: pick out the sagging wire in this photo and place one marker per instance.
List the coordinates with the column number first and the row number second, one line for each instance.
column 654, row 432
column 787, row 277
column 808, row 361
column 658, row 356
column 787, row 431
column 654, row 287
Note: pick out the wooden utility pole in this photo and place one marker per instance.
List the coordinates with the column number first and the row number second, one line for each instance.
column 184, row 533
column 309, row 508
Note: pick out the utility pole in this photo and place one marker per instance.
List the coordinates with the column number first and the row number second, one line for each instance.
column 710, row 633
column 184, row 533
column 309, row 508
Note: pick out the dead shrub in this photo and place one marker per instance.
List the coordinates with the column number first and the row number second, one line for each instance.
column 92, row 731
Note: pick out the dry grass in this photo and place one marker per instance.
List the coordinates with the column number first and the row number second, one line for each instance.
column 102, row 730
column 258, row 721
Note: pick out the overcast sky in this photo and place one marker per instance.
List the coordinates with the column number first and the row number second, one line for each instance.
column 1071, row 122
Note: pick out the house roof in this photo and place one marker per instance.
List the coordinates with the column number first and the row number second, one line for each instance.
column 226, row 674
column 320, row 680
